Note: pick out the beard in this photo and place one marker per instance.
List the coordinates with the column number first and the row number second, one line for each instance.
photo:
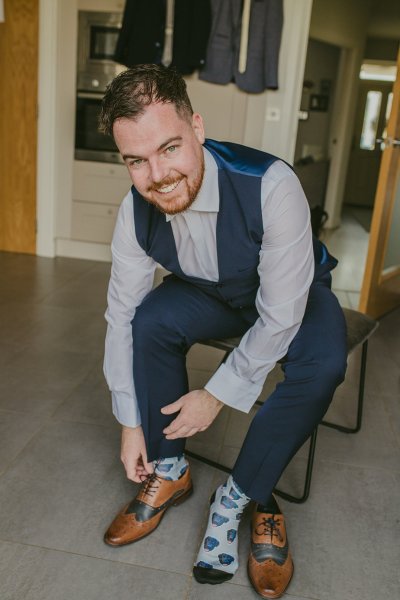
column 185, row 197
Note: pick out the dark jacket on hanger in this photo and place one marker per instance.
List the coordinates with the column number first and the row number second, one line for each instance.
column 265, row 28
column 143, row 28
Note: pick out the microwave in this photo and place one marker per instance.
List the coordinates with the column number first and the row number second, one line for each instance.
column 97, row 39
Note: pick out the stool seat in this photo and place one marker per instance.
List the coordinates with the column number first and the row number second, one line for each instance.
column 359, row 329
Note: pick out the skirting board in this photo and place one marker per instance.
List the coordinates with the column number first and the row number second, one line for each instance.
column 84, row 250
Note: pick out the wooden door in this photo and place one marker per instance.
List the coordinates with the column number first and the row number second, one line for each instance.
column 381, row 286
column 365, row 155
column 18, row 129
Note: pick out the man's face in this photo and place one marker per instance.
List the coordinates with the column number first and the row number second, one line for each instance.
column 164, row 155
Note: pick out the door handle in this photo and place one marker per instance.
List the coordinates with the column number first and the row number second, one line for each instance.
column 388, row 141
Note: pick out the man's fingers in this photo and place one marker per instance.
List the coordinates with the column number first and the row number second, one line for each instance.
column 182, row 432
column 172, row 408
column 173, row 426
column 148, row 467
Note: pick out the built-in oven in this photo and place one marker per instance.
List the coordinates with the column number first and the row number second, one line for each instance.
column 97, row 38
column 90, row 144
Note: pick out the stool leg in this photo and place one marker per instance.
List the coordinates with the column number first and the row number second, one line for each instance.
column 208, row 461
column 307, row 481
column 289, row 497
column 360, row 397
column 284, row 495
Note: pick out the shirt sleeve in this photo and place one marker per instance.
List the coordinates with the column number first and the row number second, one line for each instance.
column 132, row 275
column 286, row 270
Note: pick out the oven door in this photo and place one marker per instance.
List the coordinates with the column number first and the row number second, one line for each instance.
column 90, row 144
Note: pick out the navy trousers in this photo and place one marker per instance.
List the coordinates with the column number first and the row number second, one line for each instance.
column 178, row 314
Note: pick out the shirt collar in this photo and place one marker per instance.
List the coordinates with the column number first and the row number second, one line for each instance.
column 207, row 199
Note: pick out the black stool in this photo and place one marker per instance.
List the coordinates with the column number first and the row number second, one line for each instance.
column 359, row 328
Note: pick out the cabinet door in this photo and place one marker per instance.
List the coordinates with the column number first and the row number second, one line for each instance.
column 100, row 183
column 93, row 222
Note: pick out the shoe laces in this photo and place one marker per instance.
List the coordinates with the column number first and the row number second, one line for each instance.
column 269, row 526
column 151, row 484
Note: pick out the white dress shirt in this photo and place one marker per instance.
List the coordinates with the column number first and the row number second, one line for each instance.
column 286, row 270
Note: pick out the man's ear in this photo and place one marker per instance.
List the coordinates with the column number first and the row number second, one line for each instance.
column 198, row 127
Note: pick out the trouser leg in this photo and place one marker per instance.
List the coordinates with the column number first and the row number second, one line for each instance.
column 171, row 318
column 314, row 366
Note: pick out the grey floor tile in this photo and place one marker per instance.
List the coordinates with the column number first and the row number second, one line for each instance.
column 383, row 370
column 31, row 573
column 375, row 445
column 226, row 591
column 8, row 351
column 30, row 278
column 41, row 326
column 67, row 486
column 38, row 379
column 89, row 401
column 209, row 443
column 334, row 535
column 229, row 591
column 392, row 406
column 198, row 378
column 204, row 357
column 86, row 292
column 16, row 430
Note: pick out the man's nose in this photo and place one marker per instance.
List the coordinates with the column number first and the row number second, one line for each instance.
column 158, row 170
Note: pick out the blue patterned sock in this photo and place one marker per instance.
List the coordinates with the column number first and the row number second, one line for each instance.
column 171, row 468
column 219, row 548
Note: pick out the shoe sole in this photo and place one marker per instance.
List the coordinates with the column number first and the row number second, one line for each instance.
column 175, row 502
column 211, row 576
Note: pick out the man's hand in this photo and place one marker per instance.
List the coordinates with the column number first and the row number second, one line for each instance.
column 197, row 410
column 134, row 455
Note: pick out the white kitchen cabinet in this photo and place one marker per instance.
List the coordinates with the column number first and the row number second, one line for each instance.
column 98, row 189
column 100, row 182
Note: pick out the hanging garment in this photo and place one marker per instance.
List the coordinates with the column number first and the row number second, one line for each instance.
column 250, row 45
column 145, row 31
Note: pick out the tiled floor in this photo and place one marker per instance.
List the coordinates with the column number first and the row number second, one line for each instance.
column 349, row 244
column 61, row 480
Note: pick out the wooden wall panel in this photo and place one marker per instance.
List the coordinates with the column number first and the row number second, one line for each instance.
column 18, row 125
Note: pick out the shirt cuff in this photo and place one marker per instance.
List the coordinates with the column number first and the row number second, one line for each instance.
column 232, row 390
column 125, row 409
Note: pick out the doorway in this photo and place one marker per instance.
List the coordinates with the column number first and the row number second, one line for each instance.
column 375, row 97
column 312, row 152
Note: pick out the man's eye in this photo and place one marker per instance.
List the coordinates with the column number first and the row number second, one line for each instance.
column 170, row 149
column 136, row 162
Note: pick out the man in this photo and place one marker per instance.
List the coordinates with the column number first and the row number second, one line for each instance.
column 232, row 226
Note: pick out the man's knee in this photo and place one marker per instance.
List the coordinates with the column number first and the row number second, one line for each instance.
column 332, row 370
column 150, row 324
column 318, row 376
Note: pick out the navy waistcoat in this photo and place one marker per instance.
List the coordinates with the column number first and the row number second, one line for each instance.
column 239, row 226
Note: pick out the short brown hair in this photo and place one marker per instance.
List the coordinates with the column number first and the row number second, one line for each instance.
column 134, row 89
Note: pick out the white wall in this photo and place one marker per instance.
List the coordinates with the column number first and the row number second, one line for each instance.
column 385, row 19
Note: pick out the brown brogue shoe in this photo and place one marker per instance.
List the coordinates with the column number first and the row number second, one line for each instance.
column 270, row 565
column 144, row 513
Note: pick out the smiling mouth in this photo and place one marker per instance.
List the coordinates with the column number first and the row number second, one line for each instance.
column 167, row 189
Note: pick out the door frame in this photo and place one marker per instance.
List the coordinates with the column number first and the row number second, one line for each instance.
column 381, row 291
column 47, row 130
